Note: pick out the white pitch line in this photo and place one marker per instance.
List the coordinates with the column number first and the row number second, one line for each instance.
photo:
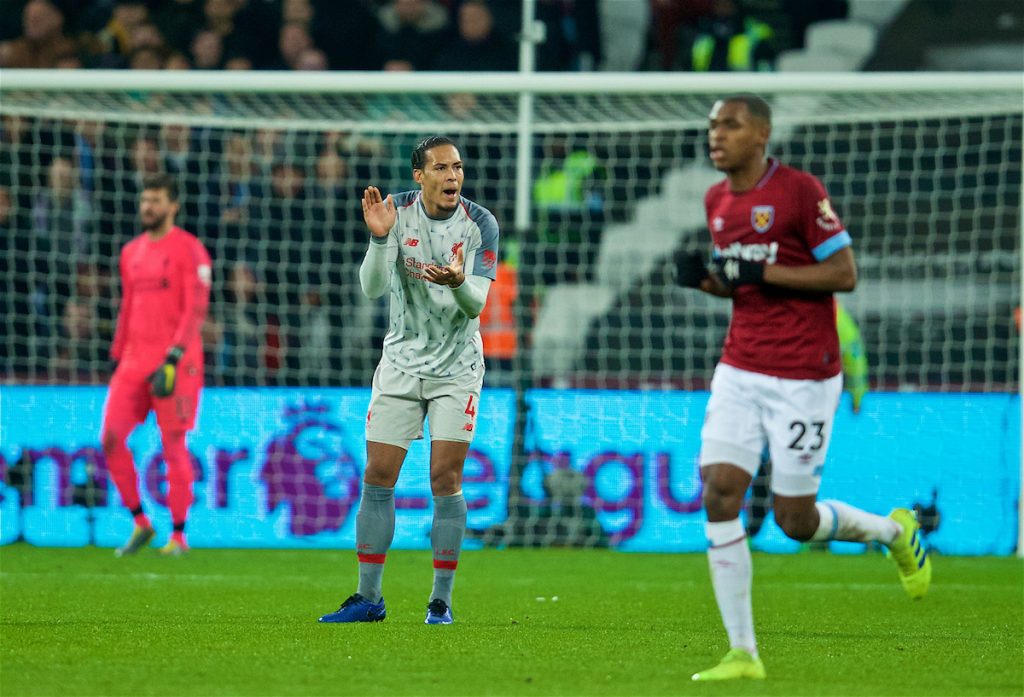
column 251, row 578
column 143, row 576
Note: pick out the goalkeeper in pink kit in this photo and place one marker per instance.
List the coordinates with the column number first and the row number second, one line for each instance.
column 165, row 283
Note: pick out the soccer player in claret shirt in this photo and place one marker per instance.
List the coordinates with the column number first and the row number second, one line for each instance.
column 437, row 252
column 780, row 252
column 165, row 286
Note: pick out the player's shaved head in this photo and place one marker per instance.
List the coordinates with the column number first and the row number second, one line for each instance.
column 757, row 107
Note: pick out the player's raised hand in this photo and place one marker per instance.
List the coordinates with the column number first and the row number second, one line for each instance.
column 452, row 275
column 380, row 214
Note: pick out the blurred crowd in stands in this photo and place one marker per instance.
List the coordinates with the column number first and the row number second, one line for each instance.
column 279, row 210
column 402, row 34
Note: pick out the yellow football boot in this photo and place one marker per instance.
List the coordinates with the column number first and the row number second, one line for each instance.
column 737, row 665
column 911, row 557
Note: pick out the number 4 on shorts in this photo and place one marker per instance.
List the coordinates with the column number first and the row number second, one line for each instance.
column 470, row 409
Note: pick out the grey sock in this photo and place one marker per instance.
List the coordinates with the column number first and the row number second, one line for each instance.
column 446, row 538
column 375, row 528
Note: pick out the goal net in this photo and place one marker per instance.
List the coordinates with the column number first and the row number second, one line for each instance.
column 607, row 357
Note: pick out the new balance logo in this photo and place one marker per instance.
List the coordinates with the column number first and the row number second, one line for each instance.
column 411, row 242
column 468, row 427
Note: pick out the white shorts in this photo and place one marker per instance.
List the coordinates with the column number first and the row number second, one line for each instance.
column 399, row 402
column 794, row 417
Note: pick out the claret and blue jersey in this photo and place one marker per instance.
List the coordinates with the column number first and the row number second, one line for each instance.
column 787, row 218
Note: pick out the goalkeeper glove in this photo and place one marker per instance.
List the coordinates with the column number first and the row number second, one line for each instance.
column 690, row 268
column 737, row 272
column 163, row 378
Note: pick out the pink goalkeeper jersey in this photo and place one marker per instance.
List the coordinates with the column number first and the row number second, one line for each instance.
column 165, row 292
column 787, row 219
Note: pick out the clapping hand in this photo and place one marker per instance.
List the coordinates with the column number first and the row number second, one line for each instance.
column 451, row 275
column 379, row 213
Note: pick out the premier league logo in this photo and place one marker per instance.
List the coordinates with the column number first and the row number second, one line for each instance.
column 308, row 471
column 762, row 217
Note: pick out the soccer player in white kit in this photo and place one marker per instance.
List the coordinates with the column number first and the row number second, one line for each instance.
column 780, row 251
column 438, row 253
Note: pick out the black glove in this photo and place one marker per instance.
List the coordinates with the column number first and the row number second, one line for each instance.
column 690, row 268
column 737, row 272
column 163, row 378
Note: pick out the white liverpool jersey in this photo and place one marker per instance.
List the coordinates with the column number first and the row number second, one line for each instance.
column 429, row 336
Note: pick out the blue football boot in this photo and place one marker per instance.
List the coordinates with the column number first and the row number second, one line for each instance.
column 357, row 609
column 438, row 612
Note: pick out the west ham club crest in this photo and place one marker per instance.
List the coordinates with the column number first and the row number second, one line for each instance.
column 762, row 217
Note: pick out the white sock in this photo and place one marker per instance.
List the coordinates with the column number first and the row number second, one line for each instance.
column 841, row 521
column 731, row 576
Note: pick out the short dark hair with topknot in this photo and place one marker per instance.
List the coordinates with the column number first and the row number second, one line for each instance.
column 419, row 153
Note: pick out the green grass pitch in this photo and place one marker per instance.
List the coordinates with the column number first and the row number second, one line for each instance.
column 243, row 622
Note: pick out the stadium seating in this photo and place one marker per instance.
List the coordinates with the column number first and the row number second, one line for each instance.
column 876, row 12
column 802, row 61
column 842, row 36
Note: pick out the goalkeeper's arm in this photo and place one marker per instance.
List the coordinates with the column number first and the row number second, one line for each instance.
column 124, row 312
